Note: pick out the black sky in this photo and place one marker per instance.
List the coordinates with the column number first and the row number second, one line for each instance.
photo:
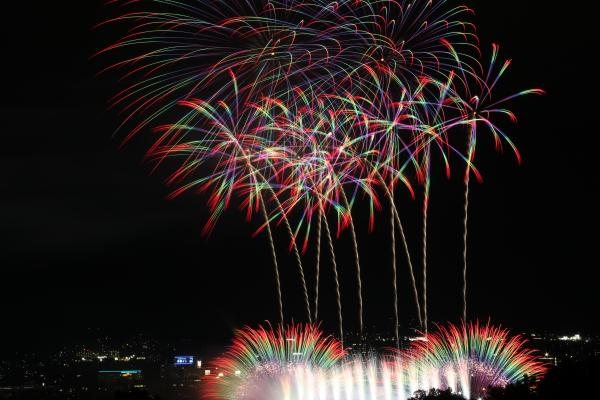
column 88, row 238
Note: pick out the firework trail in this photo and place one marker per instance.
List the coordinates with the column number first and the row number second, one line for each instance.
column 275, row 264
column 471, row 152
column 316, row 171
column 477, row 108
column 300, row 271
column 357, row 259
column 336, row 278
column 318, row 266
column 293, row 245
column 398, row 222
column 424, row 243
column 410, row 266
column 396, row 217
column 296, row 255
column 394, row 273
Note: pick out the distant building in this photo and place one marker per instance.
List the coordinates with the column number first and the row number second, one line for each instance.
column 112, row 380
column 86, row 354
column 185, row 369
column 550, row 360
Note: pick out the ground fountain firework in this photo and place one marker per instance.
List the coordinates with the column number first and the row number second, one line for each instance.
column 471, row 357
column 258, row 358
column 298, row 363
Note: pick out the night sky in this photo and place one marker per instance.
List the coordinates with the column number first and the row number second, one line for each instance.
column 88, row 238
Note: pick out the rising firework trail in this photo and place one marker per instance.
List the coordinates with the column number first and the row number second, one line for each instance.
column 357, row 260
column 275, row 264
column 394, row 274
column 318, row 266
column 424, row 239
column 470, row 155
column 338, row 295
column 477, row 109
column 396, row 217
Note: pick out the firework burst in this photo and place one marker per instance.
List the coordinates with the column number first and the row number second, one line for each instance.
column 304, row 109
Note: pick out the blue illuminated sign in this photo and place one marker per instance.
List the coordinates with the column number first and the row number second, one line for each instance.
column 184, row 360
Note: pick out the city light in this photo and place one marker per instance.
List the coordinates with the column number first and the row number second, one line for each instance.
column 574, row 338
